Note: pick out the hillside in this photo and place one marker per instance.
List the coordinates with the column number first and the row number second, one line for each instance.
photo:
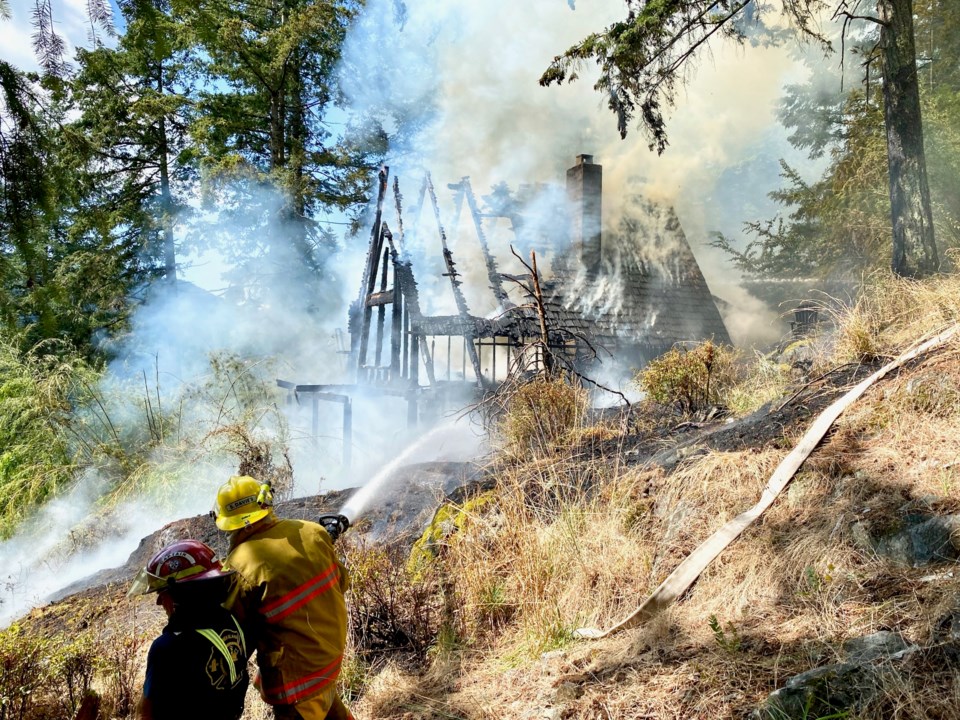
column 842, row 597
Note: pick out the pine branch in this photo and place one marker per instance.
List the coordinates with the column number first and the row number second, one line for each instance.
column 47, row 44
column 100, row 14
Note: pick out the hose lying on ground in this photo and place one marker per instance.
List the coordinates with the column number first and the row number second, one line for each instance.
column 690, row 569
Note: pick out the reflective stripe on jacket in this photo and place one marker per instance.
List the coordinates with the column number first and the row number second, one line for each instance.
column 289, row 594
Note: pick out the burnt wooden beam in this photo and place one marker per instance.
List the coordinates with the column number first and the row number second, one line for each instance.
column 405, row 336
column 316, row 395
column 382, row 310
column 396, row 320
column 496, row 284
column 398, row 201
column 370, row 271
column 415, row 359
column 412, row 325
column 455, row 285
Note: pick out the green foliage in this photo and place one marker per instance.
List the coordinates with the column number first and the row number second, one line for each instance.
column 36, row 395
column 838, row 226
column 64, row 274
column 96, row 168
column 22, row 673
column 47, row 677
column 58, row 422
column 494, row 606
column 72, row 669
column 355, row 674
column 643, row 58
column 542, row 635
column 690, row 380
column 813, row 582
column 726, row 637
column 130, row 140
column 540, row 415
column 268, row 78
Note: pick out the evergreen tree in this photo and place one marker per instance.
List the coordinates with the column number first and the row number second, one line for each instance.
column 268, row 152
column 644, row 57
column 131, row 137
column 26, row 204
column 838, row 226
column 65, row 271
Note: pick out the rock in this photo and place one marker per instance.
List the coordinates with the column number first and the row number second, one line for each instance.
column 674, row 518
column 841, row 687
column 871, row 647
column 923, row 540
column 567, row 692
column 822, row 691
column 799, row 354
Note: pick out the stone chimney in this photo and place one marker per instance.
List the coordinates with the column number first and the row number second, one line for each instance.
column 584, row 187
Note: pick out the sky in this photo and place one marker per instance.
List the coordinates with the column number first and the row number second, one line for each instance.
column 70, row 22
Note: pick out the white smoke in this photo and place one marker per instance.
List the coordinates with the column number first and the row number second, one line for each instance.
column 455, row 82
column 473, row 69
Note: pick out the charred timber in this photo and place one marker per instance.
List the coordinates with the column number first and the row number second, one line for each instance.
column 403, row 275
column 370, row 271
column 496, row 283
column 455, row 284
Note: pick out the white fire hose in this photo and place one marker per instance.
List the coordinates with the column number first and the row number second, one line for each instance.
column 690, row 569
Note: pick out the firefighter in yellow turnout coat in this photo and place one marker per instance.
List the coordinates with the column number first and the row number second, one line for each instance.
column 289, row 598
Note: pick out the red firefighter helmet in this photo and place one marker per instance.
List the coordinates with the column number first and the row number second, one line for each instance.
column 179, row 562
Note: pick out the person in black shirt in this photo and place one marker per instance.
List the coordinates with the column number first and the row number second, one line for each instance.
column 197, row 668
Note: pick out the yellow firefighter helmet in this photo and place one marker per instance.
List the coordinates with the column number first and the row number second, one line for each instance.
column 242, row 501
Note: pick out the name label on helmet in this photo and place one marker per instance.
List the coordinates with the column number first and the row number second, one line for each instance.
column 241, row 502
column 175, row 561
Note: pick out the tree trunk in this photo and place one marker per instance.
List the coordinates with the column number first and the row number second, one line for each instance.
column 914, row 247
column 296, row 134
column 277, row 128
column 166, row 200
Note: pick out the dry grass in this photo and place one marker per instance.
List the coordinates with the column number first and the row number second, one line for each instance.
column 762, row 380
column 533, row 419
column 890, row 313
column 573, row 537
column 572, row 542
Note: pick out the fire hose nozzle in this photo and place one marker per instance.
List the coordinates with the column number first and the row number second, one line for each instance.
column 335, row 525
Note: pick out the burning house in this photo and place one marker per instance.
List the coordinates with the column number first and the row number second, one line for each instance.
column 609, row 298
column 640, row 291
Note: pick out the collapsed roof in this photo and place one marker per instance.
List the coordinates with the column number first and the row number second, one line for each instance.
column 626, row 298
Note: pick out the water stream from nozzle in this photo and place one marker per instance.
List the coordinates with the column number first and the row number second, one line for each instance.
column 453, row 440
